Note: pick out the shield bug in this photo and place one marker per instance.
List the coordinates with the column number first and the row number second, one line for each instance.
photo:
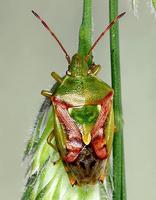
column 83, row 116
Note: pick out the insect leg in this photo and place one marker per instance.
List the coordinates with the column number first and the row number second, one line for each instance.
column 49, row 139
column 46, row 93
column 56, row 161
column 56, row 77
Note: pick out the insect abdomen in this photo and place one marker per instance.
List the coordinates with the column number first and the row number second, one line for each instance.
column 87, row 167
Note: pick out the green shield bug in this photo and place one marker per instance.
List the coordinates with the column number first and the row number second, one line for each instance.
column 83, row 116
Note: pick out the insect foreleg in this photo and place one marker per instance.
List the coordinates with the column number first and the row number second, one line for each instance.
column 56, row 77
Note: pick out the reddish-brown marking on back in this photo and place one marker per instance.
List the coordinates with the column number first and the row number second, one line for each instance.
column 98, row 140
column 74, row 141
column 63, row 104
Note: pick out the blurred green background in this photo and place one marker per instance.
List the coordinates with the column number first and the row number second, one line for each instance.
column 28, row 55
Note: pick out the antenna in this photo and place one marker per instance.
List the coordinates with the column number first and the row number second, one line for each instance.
column 103, row 33
column 53, row 34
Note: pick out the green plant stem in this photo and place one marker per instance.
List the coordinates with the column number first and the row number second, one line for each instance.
column 118, row 149
column 85, row 32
